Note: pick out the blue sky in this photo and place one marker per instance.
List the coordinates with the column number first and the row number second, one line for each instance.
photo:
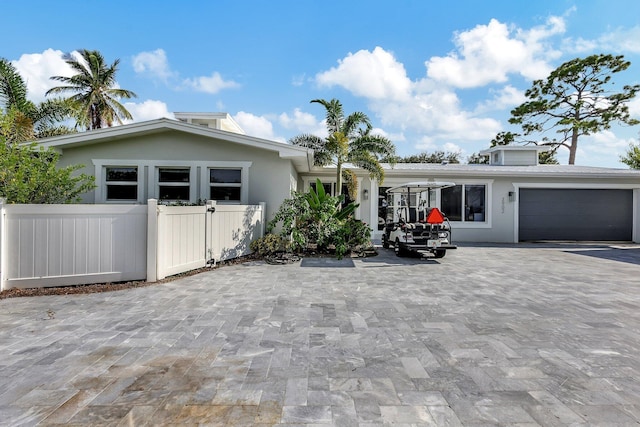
column 431, row 75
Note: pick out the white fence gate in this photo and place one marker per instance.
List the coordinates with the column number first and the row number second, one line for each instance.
column 56, row 245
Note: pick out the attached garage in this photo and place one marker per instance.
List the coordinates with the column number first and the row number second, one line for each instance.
column 575, row 214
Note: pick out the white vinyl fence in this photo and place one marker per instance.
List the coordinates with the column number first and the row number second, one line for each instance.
column 56, row 245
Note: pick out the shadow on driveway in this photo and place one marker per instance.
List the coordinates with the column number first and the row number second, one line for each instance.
column 631, row 256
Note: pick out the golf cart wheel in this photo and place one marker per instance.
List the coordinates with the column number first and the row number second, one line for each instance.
column 439, row 253
column 399, row 249
column 385, row 242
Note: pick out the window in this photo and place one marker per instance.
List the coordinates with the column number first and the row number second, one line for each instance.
column 173, row 183
column 328, row 187
column 225, row 184
column 465, row 203
column 384, row 214
column 122, row 183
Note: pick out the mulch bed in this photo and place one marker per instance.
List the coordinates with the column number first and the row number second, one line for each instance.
column 108, row 287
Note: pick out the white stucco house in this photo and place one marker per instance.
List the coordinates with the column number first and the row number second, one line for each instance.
column 207, row 156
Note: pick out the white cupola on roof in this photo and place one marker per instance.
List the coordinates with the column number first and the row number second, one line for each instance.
column 514, row 155
column 220, row 121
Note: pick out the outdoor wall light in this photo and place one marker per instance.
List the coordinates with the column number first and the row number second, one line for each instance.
column 365, row 194
column 512, row 196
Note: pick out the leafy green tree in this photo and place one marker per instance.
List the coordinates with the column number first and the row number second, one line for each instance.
column 477, row 159
column 632, row 156
column 29, row 174
column 349, row 140
column 95, row 96
column 435, row 157
column 576, row 99
column 30, row 120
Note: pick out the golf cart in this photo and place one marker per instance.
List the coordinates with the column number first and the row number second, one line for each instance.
column 412, row 224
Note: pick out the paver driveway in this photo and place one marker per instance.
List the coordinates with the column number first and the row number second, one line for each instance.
column 489, row 335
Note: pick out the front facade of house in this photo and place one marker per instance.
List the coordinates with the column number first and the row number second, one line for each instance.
column 176, row 161
column 206, row 156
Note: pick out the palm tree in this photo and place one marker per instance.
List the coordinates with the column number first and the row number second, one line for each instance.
column 349, row 140
column 23, row 120
column 95, row 97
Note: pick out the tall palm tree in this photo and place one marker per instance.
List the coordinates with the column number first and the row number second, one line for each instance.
column 24, row 120
column 95, row 95
column 349, row 140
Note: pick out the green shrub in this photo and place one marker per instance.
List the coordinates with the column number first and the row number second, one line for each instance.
column 268, row 244
column 316, row 218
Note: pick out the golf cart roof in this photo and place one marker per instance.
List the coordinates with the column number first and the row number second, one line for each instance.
column 412, row 187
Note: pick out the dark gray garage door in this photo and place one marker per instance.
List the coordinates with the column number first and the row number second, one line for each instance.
column 568, row 214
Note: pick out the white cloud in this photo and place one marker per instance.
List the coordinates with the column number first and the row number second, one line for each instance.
column 37, row 69
column 450, row 147
column 426, row 143
column 634, row 107
column 154, row 63
column 506, row 97
column 489, row 53
column 375, row 75
column 424, row 106
column 302, row 122
column 604, row 142
column 148, row 110
column 621, row 40
column 211, row 84
column 258, row 126
column 436, row 113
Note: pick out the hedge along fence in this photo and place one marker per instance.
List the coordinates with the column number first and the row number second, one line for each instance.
column 57, row 245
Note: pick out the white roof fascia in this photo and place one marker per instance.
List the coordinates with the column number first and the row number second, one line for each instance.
column 538, row 148
column 539, row 171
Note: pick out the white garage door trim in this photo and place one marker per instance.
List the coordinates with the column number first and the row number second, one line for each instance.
column 577, row 186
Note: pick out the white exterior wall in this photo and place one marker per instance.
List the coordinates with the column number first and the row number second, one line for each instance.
column 269, row 176
column 501, row 222
column 520, row 157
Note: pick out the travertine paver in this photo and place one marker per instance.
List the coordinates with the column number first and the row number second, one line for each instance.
column 510, row 335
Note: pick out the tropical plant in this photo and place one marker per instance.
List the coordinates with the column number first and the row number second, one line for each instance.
column 316, row 219
column 349, row 140
column 95, row 95
column 24, row 120
column 575, row 100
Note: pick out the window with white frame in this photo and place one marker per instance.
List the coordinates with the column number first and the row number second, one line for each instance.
column 225, row 184
column 121, row 183
column 464, row 202
column 330, row 189
column 174, row 183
